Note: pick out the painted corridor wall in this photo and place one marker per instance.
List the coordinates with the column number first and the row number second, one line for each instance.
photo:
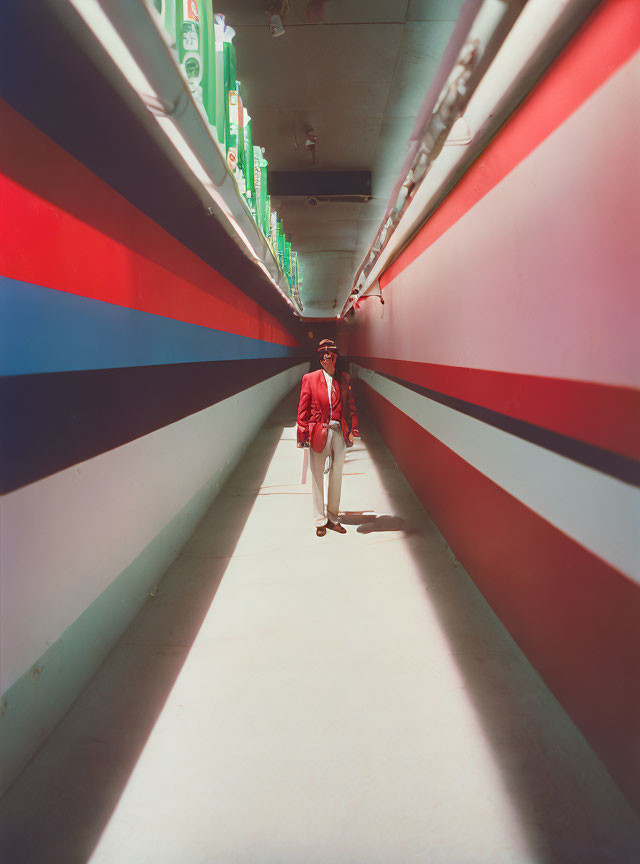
column 503, row 371
column 133, row 378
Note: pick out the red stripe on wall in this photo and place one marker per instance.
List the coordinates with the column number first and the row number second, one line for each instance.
column 599, row 414
column 575, row 617
column 607, row 40
column 66, row 229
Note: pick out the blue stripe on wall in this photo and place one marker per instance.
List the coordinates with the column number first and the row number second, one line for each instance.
column 44, row 330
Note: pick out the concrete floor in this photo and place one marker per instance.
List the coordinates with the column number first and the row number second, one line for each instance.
column 285, row 698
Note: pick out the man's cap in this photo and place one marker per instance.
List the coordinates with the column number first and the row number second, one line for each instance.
column 327, row 345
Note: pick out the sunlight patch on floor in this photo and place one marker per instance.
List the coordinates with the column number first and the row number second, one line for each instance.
column 320, row 703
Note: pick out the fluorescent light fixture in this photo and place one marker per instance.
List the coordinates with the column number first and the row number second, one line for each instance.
column 102, row 28
column 179, row 142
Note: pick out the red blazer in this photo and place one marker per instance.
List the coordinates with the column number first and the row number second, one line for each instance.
column 314, row 413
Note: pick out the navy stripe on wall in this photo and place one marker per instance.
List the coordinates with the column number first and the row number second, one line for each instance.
column 615, row 465
column 50, row 422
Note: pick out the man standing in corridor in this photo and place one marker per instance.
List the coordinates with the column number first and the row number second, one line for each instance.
column 327, row 422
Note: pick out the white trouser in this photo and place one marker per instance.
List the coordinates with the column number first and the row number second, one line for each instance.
column 335, row 448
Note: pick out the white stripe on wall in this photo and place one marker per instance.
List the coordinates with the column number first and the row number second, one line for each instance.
column 68, row 536
column 598, row 511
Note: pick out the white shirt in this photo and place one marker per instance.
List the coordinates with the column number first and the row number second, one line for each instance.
column 329, row 381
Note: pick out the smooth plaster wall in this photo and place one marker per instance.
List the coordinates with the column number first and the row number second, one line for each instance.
column 133, row 376
column 503, row 370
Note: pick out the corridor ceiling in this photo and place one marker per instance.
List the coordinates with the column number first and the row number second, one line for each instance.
column 352, row 74
column 357, row 78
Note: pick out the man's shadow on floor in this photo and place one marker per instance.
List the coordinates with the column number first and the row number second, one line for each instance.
column 368, row 522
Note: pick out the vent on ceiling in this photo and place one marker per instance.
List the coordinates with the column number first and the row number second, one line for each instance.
column 318, row 186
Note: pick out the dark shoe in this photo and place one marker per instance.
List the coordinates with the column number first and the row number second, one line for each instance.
column 321, row 531
column 337, row 527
